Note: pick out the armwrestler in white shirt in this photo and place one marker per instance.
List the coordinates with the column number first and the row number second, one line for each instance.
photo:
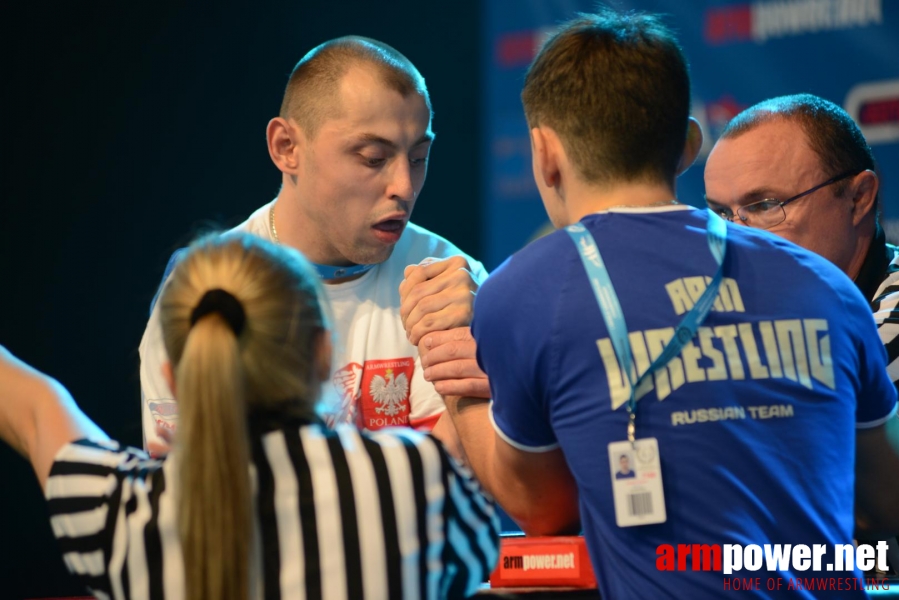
column 352, row 143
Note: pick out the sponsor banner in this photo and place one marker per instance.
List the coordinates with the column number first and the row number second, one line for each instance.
column 739, row 52
column 875, row 107
column 543, row 561
column 761, row 21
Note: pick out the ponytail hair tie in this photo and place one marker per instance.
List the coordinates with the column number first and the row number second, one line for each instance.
column 221, row 302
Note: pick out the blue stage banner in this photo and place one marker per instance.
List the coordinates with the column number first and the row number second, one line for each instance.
column 739, row 52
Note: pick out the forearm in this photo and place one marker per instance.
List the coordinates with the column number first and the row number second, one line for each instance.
column 59, row 421
column 472, row 426
column 21, row 390
column 37, row 415
column 540, row 506
column 445, row 431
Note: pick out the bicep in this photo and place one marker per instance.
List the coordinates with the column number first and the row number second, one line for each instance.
column 37, row 414
column 59, row 421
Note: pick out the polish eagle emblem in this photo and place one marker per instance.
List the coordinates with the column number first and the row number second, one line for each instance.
column 389, row 392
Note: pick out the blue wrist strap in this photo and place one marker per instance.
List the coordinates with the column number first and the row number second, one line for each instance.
column 614, row 318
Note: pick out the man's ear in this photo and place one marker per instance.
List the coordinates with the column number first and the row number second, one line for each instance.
column 169, row 375
column 285, row 142
column 864, row 188
column 545, row 145
column 691, row 146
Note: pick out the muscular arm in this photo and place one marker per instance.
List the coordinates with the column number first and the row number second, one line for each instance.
column 536, row 489
column 445, row 431
column 876, row 469
column 37, row 415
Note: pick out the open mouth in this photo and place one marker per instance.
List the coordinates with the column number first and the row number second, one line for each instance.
column 389, row 231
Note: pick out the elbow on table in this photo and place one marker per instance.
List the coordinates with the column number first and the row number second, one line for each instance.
column 536, row 521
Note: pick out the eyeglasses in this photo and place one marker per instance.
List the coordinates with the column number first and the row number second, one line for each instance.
column 769, row 212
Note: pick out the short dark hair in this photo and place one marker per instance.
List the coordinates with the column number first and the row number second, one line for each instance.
column 831, row 132
column 312, row 96
column 616, row 88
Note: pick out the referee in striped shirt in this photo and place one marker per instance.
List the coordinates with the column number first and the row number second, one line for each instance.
column 257, row 498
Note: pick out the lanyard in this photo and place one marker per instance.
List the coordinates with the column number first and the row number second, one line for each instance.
column 327, row 272
column 610, row 308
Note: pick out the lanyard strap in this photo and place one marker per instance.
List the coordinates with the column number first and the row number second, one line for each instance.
column 327, row 272
column 716, row 233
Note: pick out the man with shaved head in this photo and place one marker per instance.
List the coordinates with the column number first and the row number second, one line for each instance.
column 352, row 142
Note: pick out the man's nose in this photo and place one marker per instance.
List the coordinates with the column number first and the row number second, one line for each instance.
column 401, row 186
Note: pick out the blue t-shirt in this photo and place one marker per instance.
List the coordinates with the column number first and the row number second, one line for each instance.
column 755, row 419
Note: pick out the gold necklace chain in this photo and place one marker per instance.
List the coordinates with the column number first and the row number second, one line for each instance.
column 271, row 223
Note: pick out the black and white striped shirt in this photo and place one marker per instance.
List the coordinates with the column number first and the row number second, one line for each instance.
column 339, row 514
column 878, row 280
column 885, row 304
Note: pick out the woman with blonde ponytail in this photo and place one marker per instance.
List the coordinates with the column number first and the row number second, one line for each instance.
column 257, row 497
column 215, row 504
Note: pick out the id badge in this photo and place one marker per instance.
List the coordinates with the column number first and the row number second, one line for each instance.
column 637, row 482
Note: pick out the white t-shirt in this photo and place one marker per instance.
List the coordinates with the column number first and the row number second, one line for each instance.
column 377, row 372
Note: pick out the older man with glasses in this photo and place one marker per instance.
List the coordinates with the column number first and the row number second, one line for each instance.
column 799, row 167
